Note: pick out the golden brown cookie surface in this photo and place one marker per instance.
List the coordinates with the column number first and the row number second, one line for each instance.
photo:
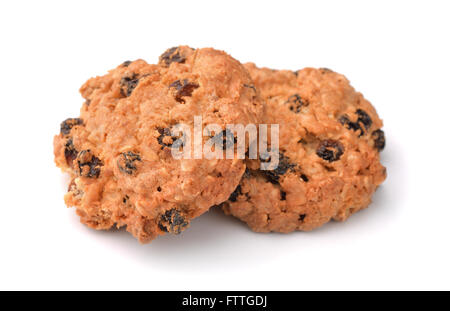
column 118, row 151
column 329, row 166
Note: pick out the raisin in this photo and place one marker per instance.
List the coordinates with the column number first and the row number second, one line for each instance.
column 70, row 153
column 172, row 142
column 282, row 195
column 88, row 164
column 126, row 162
column 237, row 192
column 250, row 87
column 183, row 88
column 247, row 173
column 229, row 140
column 125, row 199
column 88, row 102
column 295, row 103
column 170, row 56
column 162, row 228
column 304, row 177
column 173, row 221
column 301, row 217
column 330, row 150
column 128, row 84
column 364, row 118
column 354, row 126
column 273, row 176
column 227, row 137
column 164, row 132
column 126, row 63
column 68, row 124
column 379, row 139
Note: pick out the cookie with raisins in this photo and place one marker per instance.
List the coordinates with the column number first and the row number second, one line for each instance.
column 329, row 162
column 119, row 150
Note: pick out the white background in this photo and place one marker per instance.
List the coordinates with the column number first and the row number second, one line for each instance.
column 395, row 52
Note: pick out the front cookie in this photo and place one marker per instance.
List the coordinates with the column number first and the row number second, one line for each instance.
column 119, row 151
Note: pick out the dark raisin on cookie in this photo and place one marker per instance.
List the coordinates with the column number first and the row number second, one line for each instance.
column 125, row 199
column 247, row 173
column 295, row 103
column 379, row 139
column 170, row 56
column 126, row 63
column 166, row 139
column 364, row 118
column 330, row 150
column 126, row 162
column 162, row 228
column 68, row 124
column 88, row 164
column 282, row 195
column 173, row 221
column 301, row 217
column 183, row 88
column 162, row 140
column 226, row 138
column 229, row 140
column 273, row 176
column 237, row 192
column 70, row 153
column 250, row 87
column 304, row 177
column 128, row 84
column 354, row 126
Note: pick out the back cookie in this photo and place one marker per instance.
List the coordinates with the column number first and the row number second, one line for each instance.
column 329, row 163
